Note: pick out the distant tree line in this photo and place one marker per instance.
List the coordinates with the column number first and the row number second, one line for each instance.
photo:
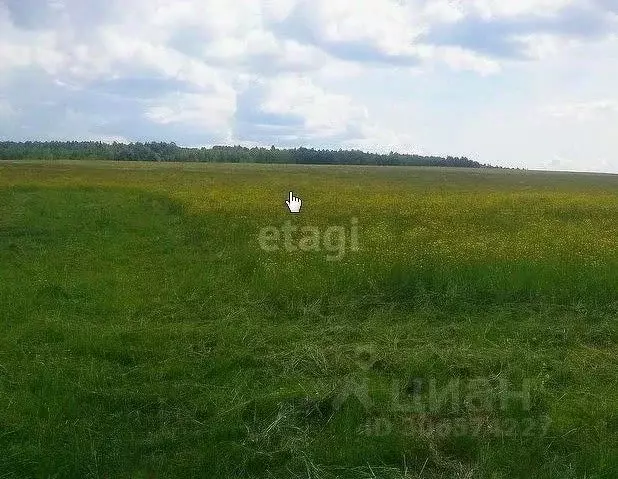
column 159, row 151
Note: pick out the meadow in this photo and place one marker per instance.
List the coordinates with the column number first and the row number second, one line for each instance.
column 144, row 333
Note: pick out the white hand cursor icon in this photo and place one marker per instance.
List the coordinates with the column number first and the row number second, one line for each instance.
column 294, row 203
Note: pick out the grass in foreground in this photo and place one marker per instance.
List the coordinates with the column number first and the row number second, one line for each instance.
column 144, row 333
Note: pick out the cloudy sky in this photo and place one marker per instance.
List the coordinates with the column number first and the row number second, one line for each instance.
column 521, row 83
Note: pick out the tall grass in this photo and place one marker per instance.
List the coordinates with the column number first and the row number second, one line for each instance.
column 144, row 333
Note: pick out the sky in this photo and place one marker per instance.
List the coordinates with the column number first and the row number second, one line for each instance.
column 515, row 83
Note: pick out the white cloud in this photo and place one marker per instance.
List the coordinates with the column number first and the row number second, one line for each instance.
column 377, row 139
column 447, row 11
column 502, row 8
column 19, row 49
column 561, row 162
column 389, row 31
column 585, row 111
column 387, row 24
column 541, row 46
column 459, row 59
column 211, row 112
column 360, row 73
column 323, row 114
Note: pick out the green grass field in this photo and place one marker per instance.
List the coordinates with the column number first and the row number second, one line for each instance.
column 144, row 332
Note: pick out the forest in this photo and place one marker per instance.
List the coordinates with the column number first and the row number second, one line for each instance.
column 161, row 151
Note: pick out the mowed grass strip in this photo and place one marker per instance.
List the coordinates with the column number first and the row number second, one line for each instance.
column 144, row 333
